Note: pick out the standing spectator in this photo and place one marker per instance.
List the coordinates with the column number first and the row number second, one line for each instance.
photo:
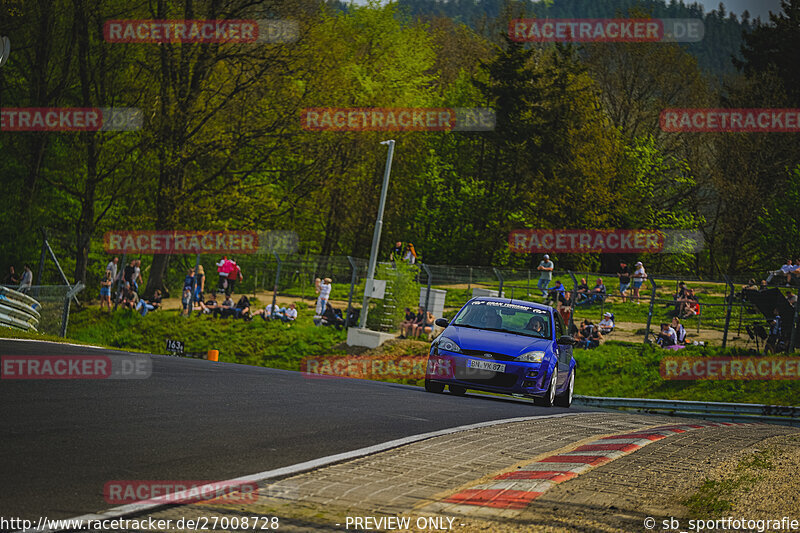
column 27, row 280
column 411, row 254
column 624, row 275
column 546, row 267
column 222, row 272
column 233, row 276
column 112, row 267
column 137, row 274
column 127, row 273
column 105, row 290
column 639, row 275
column 775, row 329
column 186, row 299
column 397, row 252
column 11, row 278
column 324, row 295
column 199, row 284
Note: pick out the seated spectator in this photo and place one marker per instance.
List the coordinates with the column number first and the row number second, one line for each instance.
column 667, row 336
column 225, row 309
column 584, row 332
column 269, row 312
column 581, row 291
column 151, row 305
column 129, row 298
column 788, row 270
column 331, row 317
column 791, row 298
column 210, row 304
column 595, row 339
column 597, row 294
column 290, row 313
column 418, row 319
column 242, row 308
column 775, row 330
column 763, row 285
column 557, row 294
column 680, row 331
column 690, row 306
column 606, row 325
column 410, row 316
column 426, row 326
column 751, row 285
column 13, row 279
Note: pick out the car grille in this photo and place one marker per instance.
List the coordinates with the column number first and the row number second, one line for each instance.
column 485, row 377
column 482, row 355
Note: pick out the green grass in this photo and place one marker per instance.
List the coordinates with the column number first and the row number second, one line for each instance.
column 631, row 370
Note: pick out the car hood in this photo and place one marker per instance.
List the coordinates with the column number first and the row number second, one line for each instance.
column 495, row 341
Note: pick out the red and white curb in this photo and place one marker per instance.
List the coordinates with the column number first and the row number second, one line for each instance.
column 508, row 494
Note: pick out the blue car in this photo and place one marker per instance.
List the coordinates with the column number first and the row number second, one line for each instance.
column 504, row 346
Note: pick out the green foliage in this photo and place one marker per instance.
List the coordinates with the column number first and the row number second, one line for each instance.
column 402, row 290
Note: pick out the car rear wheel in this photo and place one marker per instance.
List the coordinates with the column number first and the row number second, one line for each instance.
column 432, row 386
column 565, row 399
column 550, row 395
column 458, row 390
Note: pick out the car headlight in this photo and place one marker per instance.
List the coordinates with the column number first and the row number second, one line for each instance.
column 448, row 344
column 531, row 357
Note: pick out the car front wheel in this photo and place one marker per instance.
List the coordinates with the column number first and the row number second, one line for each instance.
column 549, row 395
column 565, row 399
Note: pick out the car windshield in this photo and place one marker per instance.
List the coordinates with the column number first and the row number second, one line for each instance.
column 509, row 317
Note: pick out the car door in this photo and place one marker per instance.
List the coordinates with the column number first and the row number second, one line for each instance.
column 564, row 351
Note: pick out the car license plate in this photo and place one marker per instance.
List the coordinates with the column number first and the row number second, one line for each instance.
column 486, row 365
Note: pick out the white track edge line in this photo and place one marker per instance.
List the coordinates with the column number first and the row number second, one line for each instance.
column 154, row 503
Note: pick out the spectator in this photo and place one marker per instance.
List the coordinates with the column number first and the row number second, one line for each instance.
column 27, row 279
column 763, row 285
column 330, row 317
column 242, row 308
column 585, row 333
column 397, row 252
column 639, row 275
column 788, row 270
column 290, row 313
column 557, row 294
column 624, row 275
column 269, row 312
column 546, row 268
column 234, row 276
column 606, row 325
column 210, row 305
column 581, row 291
column 751, row 285
column 199, row 284
column 223, row 268
column 186, row 299
column 679, row 297
column 412, row 325
column 791, row 298
column 598, row 292
column 225, row 309
column 112, row 267
column 595, row 339
column 324, row 295
column 667, row 336
column 130, row 298
column 137, row 274
column 690, row 306
column 775, row 329
column 410, row 316
column 411, row 255
column 426, row 326
column 151, row 305
column 680, row 331
column 11, row 278
column 127, row 274
column 105, row 291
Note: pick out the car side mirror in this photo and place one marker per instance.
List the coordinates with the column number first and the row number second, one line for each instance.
column 566, row 340
column 442, row 322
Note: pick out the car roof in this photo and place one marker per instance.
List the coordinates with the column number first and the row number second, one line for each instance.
column 533, row 305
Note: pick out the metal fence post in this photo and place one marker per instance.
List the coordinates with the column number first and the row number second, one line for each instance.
column 795, row 325
column 353, row 277
column 277, row 277
column 650, row 311
column 118, row 281
column 528, row 286
column 727, row 312
column 571, row 301
column 469, row 284
column 71, row 292
column 428, row 291
column 499, row 277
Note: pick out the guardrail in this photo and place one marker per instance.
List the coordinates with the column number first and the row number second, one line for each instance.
column 723, row 412
column 18, row 310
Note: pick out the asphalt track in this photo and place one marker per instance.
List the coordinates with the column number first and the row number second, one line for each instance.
column 62, row 440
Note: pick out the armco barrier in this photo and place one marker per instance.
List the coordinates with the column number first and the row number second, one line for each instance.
column 724, row 412
column 18, row 310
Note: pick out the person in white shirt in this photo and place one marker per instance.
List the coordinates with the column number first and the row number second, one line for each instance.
column 789, row 270
column 606, row 325
column 639, row 275
column 667, row 337
column 324, row 295
column 27, row 280
column 680, row 331
column 289, row 314
column 112, row 267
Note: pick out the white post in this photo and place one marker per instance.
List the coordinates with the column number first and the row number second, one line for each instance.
column 376, row 236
